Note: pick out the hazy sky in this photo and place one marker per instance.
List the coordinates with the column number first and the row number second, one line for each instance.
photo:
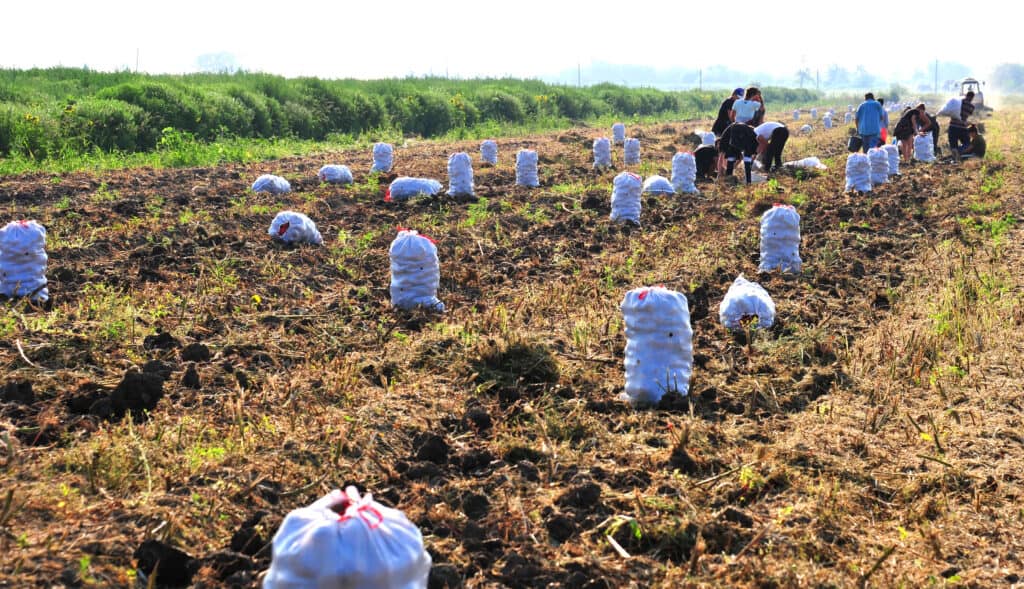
column 524, row 38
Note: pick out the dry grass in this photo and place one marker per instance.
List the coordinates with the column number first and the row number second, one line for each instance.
column 870, row 438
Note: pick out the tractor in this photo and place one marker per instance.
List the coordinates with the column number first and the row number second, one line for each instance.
column 972, row 85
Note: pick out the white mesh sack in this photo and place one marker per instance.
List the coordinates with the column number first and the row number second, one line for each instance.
column 893, row 154
column 807, row 162
column 780, row 240
column 746, row 299
column 333, row 174
column 796, row 115
column 415, row 272
column 848, row 118
column 879, row 161
column 489, row 152
column 951, row 109
column 924, row 148
column 272, row 184
column 526, row 168
column 23, row 260
column 826, row 121
column 404, row 188
column 858, row 173
column 684, row 172
column 659, row 344
column 814, row 113
column 658, row 185
column 460, row 174
column 618, row 133
column 346, row 541
column 292, row 227
column 602, row 153
column 631, row 152
column 626, row 198
column 383, row 157
column 806, row 129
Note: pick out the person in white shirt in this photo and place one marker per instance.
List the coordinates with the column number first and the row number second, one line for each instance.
column 746, row 109
column 771, row 139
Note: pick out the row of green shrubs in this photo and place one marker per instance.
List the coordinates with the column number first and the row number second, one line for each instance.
column 46, row 111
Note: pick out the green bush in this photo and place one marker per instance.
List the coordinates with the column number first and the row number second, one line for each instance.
column 501, row 106
column 265, row 118
column 104, row 123
column 299, row 120
column 165, row 106
column 221, row 114
column 29, row 132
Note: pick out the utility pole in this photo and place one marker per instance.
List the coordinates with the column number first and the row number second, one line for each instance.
column 700, row 80
column 136, row 60
column 936, row 76
column 579, row 74
column 817, row 80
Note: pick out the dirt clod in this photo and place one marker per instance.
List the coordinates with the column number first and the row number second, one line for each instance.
column 584, row 496
column 444, row 576
column 475, row 505
column 431, row 448
column 560, row 527
column 196, row 352
column 137, row 394
column 190, row 378
column 174, row 567
column 18, row 391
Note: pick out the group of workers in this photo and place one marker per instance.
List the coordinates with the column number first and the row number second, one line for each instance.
column 742, row 133
column 964, row 139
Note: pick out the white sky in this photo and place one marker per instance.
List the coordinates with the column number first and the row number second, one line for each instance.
column 521, row 38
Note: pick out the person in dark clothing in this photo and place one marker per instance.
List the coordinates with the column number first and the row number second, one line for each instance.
column 771, row 139
column 739, row 140
column 723, row 112
column 706, row 157
column 959, row 138
column 912, row 122
column 977, row 146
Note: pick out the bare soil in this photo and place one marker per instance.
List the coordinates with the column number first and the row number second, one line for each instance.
column 192, row 380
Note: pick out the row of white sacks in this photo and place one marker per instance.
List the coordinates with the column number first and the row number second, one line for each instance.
column 863, row 171
column 415, row 269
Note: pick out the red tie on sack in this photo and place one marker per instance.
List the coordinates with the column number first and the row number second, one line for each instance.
column 283, row 228
column 369, row 514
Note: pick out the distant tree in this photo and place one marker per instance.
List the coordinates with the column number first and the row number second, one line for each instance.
column 862, row 79
column 804, row 75
column 836, row 77
column 895, row 93
column 1008, row 77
